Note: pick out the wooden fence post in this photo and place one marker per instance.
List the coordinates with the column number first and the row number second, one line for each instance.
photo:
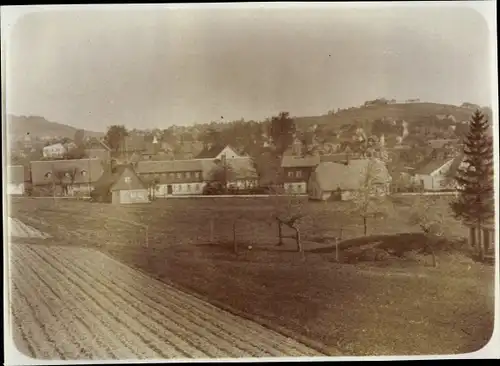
column 337, row 249
column 211, row 230
column 235, row 247
column 147, row 235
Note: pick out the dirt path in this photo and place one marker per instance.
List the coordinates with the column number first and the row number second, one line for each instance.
column 78, row 303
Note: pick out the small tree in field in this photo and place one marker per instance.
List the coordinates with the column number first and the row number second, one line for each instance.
column 429, row 215
column 475, row 202
column 370, row 200
column 289, row 211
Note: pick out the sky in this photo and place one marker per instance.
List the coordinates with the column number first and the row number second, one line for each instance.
column 157, row 67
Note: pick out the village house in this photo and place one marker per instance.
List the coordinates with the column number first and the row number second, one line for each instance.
column 54, row 151
column 190, row 176
column 333, row 180
column 16, row 179
column 121, row 185
column 66, row 177
column 436, row 173
column 296, row 171
column 175, row 177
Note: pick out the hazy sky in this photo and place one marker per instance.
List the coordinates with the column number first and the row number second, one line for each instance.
column 159, row 67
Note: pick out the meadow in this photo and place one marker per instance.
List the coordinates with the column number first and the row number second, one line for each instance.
column 403, row 306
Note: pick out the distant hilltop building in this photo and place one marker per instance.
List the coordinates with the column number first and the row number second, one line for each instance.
column 470, row 106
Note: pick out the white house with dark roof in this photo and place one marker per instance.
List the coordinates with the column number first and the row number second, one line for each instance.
column 189, row 177
column 175, row 177
column 436, row 174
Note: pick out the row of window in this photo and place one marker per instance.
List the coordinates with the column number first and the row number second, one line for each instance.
column 67, row 174
column 295, row 188
column 178, row 175
column 137, row 195
column 298, row 174
column 180, row 188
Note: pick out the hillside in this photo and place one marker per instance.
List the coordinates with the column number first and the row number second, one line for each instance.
column 37, row 127
column 410, row 112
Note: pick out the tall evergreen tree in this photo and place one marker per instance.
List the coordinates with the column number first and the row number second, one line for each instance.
column 475, row 202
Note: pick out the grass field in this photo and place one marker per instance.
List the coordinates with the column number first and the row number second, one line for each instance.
column 403, row 307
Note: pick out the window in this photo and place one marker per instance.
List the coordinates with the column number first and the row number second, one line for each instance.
column 84, row 172
column 189, row 187
column 171, row 175
column 197, row 187
column 48, row 175
column 127, row 180
column 179, row 188
column 298, row 174
column 197, row 174
column 179, row 175
column 67, row 175
column 290, row 174
column 188, row 175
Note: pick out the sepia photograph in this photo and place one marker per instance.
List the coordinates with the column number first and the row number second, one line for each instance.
column 250, row 182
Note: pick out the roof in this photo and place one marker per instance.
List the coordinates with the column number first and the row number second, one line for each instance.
column 51, row 146
column 430, row 165
column 102, row 154
column 111, row 181
column 331, row 176
column 334, row 158
column 212, row 151
column 167, row 166
column 86, row 170
column 300, row 161
column 16, row 174
column 95, row 143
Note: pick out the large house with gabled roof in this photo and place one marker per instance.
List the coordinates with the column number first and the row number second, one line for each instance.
column 66, row 177
column 175, row 177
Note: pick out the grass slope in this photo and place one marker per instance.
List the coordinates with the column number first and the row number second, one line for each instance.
column 357, row 309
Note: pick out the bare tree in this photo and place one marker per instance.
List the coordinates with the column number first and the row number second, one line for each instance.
column 289, row 211
column 429, row 215
column 370, row 200
column 65, row 178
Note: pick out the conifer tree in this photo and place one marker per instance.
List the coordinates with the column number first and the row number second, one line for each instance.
column 475, row 202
